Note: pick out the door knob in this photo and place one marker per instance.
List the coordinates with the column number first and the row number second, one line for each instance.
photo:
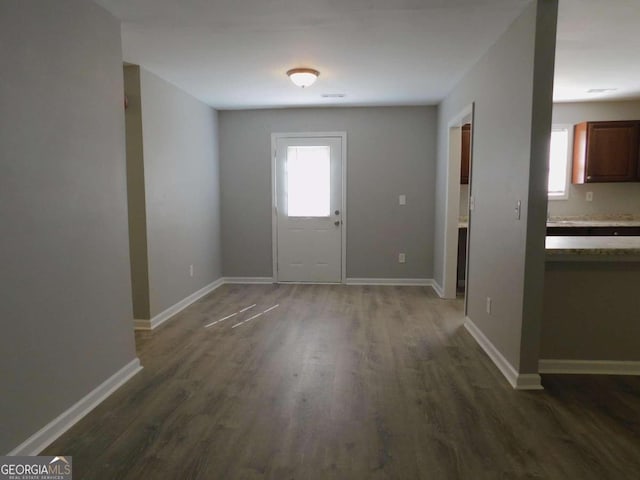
column 337, row 223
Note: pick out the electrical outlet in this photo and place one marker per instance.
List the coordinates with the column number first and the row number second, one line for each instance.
column 489, row 305
column 589, row 197
column 402, row 199
column 401, row 258
column 191, row 270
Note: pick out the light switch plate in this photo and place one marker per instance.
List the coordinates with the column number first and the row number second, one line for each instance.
column 402, row 199
column 589, row 197
column 401, row 258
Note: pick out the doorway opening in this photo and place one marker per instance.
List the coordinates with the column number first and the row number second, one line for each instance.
column 459, row 205
column 309, row 199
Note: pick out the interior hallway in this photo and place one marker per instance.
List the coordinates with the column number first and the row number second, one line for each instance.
column 345, row 382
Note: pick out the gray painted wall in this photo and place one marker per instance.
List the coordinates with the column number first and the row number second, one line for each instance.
column 136, row 195
column 591, row 311
column 391, row 151
column 511, row 129
column 607, row 197
column 181, row 169
column 66, row 293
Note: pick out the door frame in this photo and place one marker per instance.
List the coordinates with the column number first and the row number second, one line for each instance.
column 452, row 206
column 274, row 212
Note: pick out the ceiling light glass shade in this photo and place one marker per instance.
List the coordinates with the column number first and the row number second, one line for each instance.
column 303, row 77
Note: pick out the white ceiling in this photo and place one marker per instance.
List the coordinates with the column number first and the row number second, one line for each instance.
column 234, row 53
column 598, row 47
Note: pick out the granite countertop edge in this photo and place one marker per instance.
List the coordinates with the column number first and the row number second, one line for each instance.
column 622, row 220
column 626, row 247
column 619, row 252
column 593, row 223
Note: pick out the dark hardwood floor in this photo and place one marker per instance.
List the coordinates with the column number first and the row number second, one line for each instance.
column 345, row 382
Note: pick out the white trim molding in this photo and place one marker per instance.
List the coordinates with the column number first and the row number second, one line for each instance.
column 589, row 367
column 54, row 429
column 177, row 308
column 247, row 280
column 519, row 381
column 437, row 288
column 181, row 305
column 416, row 282
column 452, row 201
column 528, row 381
column 275, row 136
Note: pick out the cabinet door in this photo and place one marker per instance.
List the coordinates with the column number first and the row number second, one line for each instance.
column 465, row 164
column 612, row 151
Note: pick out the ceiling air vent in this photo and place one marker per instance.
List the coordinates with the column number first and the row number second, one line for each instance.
column 601, row 90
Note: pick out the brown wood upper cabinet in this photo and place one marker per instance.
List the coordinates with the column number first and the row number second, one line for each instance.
column 465, row 164
column 606, row 152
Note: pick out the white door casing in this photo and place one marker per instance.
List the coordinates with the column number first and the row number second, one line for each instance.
column 308, row 184
column 452, row 205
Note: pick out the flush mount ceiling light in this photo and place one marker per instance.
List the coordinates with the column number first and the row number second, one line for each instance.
column 303, row 77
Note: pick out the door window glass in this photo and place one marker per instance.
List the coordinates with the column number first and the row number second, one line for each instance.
column 308, row 181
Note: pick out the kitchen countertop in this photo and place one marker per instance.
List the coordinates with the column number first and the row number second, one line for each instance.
column 593, row 246
column 593, row 223
column 617, row 220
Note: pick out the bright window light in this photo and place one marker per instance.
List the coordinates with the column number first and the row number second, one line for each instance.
column 308, row 181
column 559, row 163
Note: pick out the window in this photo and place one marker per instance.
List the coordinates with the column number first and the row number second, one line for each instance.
column 308, row 181
column 559, row 165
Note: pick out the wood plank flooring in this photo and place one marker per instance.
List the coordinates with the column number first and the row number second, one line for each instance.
column 345, row 382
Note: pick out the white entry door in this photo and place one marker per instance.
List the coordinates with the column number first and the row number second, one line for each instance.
column 308, row 209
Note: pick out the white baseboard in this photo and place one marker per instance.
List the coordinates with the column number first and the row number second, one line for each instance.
column 54, row 429
column 438, row 289
column 589, row 367
column 141, row 324
column 247, row 280
column 178, row 307
column 418, row 282
column 528, row 381
column 519, row 381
